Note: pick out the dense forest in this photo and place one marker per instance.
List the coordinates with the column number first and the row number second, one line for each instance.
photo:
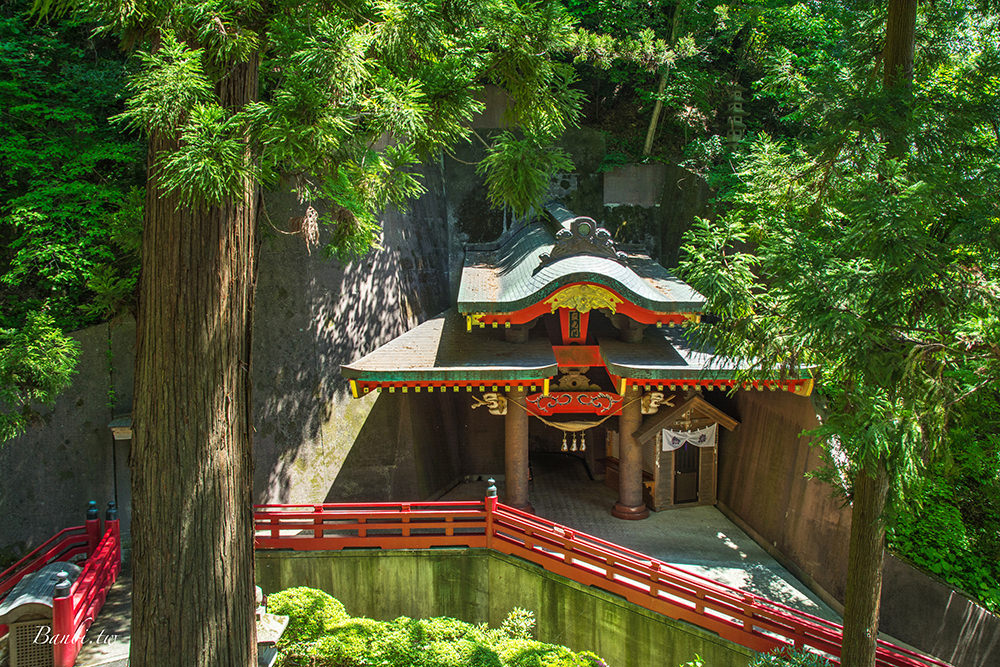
column 854, row 228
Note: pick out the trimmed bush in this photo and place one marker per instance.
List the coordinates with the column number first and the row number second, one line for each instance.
column 312, row 612
column 320, row 634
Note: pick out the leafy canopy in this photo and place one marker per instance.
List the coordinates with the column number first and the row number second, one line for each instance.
column 65, row 196
column 36, row 363
column 69, row 208
column 353, row 96
column 881, row 272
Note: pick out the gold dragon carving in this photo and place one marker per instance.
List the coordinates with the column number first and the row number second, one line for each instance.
column 652, row 401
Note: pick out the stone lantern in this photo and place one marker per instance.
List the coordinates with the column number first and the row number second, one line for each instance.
column 736, row 127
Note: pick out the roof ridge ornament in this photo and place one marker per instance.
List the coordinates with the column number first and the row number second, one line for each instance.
column 582, row 236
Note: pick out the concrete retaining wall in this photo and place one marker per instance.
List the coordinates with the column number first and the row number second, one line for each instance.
column 478, row 585
column 762, row 468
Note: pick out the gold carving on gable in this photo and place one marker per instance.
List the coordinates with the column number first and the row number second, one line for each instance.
column 584, row 298
column 573, row 379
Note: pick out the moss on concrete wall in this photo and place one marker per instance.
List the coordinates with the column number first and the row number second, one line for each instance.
column 477, row 585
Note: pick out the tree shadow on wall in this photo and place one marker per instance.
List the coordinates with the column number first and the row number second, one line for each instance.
column 314, row 314
column 407, row 449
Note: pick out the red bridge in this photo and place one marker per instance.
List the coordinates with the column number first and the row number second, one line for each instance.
column 741, row 617
column 74, row 608
column 744, row 618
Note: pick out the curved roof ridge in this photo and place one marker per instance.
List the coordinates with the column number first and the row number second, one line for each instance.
column 528, row 266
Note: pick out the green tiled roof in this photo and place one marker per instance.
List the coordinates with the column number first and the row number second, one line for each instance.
column 665, row 354
column 509, row 276
column 441, row 350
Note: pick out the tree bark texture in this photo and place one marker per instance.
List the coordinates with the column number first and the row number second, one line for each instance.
column 897, row 78
column 900, row 40
column 192, row 469
column 864, row 566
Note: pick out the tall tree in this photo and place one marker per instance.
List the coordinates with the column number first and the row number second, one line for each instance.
column 866, row 553
column 233, row 94
column 872, row 253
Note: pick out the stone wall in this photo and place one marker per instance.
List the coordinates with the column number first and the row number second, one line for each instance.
column 313, row 441
column 68, row 457
column 481, row 586
column 762, row 480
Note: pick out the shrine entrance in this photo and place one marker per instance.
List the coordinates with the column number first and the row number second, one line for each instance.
column 686, row 461
column 558, row 332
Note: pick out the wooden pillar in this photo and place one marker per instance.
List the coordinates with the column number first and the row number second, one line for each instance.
column 630, row 505
column 516, row 451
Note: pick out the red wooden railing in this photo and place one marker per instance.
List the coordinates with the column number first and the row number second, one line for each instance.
column 745, row 618
column 76, row 609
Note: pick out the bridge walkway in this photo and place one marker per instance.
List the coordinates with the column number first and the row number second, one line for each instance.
column 700, row 540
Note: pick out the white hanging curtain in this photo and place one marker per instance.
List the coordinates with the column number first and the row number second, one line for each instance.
column 703, row 437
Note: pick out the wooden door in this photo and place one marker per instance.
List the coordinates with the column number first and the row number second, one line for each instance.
column 686, row 460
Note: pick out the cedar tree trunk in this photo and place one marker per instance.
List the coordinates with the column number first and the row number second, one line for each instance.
column 897, row 77
column 866, row 553
column 192, row 469
column 864, row 566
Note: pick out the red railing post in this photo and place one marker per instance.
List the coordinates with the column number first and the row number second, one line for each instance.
column 64, row 639
column 111, row 524
column 490, row 504
column 93, row 526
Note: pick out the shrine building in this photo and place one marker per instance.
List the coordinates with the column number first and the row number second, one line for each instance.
column 573, row 344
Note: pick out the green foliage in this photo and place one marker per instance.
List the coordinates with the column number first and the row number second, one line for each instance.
column 860, row 241
column 67, row 171
column 36, row 363
column 881, row 273
column 407, row 642
column 518, row 171
column 519, row 624
column 68, row 220
column 352, row 97
column 786, row 658
column 312, row 613
column 169, row 83
column 951, row 526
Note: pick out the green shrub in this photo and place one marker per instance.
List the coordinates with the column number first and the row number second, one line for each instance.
column 519, row 624
column 321, row 634
column 312, row 613
column 786, row 658
column 934, row 536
